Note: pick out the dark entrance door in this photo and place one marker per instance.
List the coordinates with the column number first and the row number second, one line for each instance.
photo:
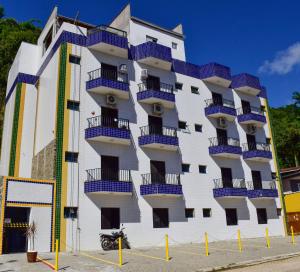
column 226, row 177
column 153, row 83
column 155, row 125
column 158, row 171
column 251, row 142
column 109, row 117
column 222, row 136
column 256, row 178
column 217, row 99
column 109, row 71
column 246, row 107
column 14, row 239
column 109, row 168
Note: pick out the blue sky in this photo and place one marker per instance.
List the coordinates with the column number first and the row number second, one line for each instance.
column 258, row 37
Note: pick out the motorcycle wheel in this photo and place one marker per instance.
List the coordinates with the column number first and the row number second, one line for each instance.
column 106, row 244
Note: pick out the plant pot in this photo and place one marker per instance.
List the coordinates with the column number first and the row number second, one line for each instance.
column 31, row 256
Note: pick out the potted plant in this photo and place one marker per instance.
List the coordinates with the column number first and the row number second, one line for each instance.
column 30, row 234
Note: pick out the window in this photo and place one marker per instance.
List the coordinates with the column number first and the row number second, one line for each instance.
column 295, row 185
column 206, row 212
column 198, row 128
column 73, row 105
column 174, row 45
column 231, row 217
column 273, row 175
column 74, row 59
column 182, row 125
column 110, row 218
column 268, row 140
column 151, row 39
column 263, row 108
column 160, row 218
column 194, row 90
column 178, row 86
column 202, row 169
column 70, row 212
column 278, row 211
column 71, row 156
column 262, row 216
column 185, row 167
column 48, row 39
column 189, row 213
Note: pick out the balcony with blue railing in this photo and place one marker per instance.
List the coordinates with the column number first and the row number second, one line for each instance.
column 263, row 190
column 235, row 188
column 161, row 185
column 108, row 130
column 260, row 152
column 108, row 181
column 108, row 82
column 246, row 83
column 153, row 54
column 164, row 138
column 225, row 147
column 251, row 116
column 216, row 74
column 163, row 95
column 220, row 109
column 108, row 40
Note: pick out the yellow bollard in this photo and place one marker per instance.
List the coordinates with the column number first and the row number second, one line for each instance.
column 206, row 244
column 120, row 252
column 239, row 241
column 56, row 255
column 293, row 236
column 167, row 247
column 267, row 238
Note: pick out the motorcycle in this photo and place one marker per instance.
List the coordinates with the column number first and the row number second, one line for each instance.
column 111, row 241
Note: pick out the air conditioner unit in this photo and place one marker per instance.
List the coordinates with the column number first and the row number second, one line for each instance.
column 222, row 122
column 251, row 129
column 111, row 99
column 123, row 68
column 144, row 74
column 158, row 109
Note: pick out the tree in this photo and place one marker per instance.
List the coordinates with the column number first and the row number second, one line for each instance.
column 296, row 97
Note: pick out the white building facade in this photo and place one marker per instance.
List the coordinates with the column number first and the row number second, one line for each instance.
column 109, row 127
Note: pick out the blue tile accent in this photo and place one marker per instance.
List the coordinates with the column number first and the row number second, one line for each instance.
column 108, row 132
column 251, row 117
column 159, row 139
column 263, row 193
column 257, row 154
column 215, row 69
column 157, row 94
column 243, row 80
column 186, row 68
column 219, row 109
column 151, row 49
column 225, row 149
column 97, row 82
column 227, row 192
column 107, row 186
column 263, row 92
column 166, row 189
column 103, row 36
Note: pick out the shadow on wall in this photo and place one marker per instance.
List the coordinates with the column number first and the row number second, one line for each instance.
column 269, row 204
column 239, row 203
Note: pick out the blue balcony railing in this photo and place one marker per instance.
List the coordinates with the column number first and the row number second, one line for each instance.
column 251, row 115
column 229, row 188
column 225, row 146
column 224, row 108
column 246, row 83
column 216, row 73
column 257, row 151
column 266, row 189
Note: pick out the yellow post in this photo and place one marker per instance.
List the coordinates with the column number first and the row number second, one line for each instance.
column 206, row 244
column 293, row 236
column 120, row 252
column 56, row 255
column 239, row 241
column 267, row 238
column 167, row 247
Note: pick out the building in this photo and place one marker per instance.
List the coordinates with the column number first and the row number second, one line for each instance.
column 291, row 190
column 110, row 126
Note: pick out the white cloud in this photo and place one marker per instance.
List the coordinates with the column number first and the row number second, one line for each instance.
column 284, row 61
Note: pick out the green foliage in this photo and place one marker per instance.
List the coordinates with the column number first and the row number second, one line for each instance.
column 12, row 33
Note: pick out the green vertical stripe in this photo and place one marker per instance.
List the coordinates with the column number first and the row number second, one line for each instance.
column 14, row 135
column 60, row 135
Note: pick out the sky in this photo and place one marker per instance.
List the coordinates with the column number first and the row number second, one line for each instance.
column 260, row 37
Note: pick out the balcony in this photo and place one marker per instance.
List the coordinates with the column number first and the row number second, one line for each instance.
column 225, row 147
column 216, row 74
column 224, row 109
column 163, row 96
column 161, row 185
column 247, row 84
column 108, row 40
column 251, row 116
column 265, row 190
column 260, row 152
column 235, row 188
column 108, row 82
column 108, row 130
column 107, row 181
column 153, row 54
column 164, row 138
